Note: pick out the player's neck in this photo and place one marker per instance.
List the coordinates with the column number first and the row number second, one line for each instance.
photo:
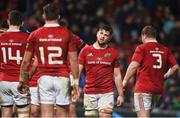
column 13, row 28
column 150, row 40
column 51, row 22
column 97, row 46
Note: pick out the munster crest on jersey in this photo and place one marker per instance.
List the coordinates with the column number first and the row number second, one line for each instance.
column 107, row 55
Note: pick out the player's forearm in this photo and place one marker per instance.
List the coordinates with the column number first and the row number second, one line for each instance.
column 33, row 68
column 32, row 71
column 172, row 71
column 24, row 66
column 118, row 81
column 74, row 64
column 80, row 69
column 119, row 86
column 130, row 72
column 24, row 76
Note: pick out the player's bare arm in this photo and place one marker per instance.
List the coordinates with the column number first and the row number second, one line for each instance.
column 130, row 72
column 119, row 86
column 80, row 68
column 73, row 59
column 171, row 72
column 23, row 70
column 33, row 68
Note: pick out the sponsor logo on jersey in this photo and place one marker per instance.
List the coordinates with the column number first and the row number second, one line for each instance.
column 107, row 55
column 99, row 58
column 11, row 40
column 156, row 48
column 50, row 36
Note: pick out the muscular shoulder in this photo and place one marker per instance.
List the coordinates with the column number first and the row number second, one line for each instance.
column 3, row 34
column 163, row 47
column 141, row 46
column 112, row 50
column 60, row 28
column 87, row 48
column 20, row 35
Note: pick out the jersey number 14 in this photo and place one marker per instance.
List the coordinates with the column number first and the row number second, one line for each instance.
column 9, row 55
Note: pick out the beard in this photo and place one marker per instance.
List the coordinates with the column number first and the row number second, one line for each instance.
column 102, row 44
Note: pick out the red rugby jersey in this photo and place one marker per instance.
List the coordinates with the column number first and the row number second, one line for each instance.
column 154, row 60
column 99, row 65
column 79, row 44
column 51, row 44
column 13, row 45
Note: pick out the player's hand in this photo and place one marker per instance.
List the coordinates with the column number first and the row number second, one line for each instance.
column 165, row 76
column 120, row 100
column 75, row 93
column 23, row 88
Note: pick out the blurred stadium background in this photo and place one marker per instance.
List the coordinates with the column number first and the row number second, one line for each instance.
column 127, row 17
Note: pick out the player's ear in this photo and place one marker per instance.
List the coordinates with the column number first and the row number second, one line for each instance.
column 22, row 23
column 97, row 34
column 8, row 22
column 110, row 37
column 59, row 17
column 43, row 16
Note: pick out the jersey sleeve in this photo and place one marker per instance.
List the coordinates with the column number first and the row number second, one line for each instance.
column 72, row 44
column 79, row 42
column 138, row 55
column 116, row 61
column 171, row 59
column 81, row 58
column 30, row 43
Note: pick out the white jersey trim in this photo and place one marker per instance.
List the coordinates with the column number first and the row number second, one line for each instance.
column 151, row 41
column 99, row 47
column 51, row 25
column 13, row 30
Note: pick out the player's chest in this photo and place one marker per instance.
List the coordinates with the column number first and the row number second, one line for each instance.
column 99, row 57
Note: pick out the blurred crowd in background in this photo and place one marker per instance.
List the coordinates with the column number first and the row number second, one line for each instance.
column 127, row 17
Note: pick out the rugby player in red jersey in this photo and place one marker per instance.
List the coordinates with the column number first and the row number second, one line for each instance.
column 101, row 64
column 150, row 62
column 52, row 44
column 13, row 45
column 33, row 76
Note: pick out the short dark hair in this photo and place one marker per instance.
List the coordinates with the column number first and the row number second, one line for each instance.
column 15, row 18
column 51, row 12
column 106, row 27
column 4, row 24
column 149, row 31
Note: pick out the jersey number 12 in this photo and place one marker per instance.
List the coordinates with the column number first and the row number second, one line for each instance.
column 51, row 55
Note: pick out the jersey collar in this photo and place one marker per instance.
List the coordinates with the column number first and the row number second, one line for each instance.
column 151, row 41
column 99, row 47
column 51, row 25
column 13, row 30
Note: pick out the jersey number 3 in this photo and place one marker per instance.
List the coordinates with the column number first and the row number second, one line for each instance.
column 158, row 60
